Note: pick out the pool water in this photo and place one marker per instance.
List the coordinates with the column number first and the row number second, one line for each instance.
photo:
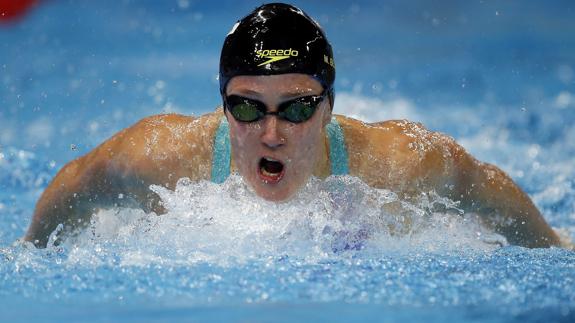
column 497, row 77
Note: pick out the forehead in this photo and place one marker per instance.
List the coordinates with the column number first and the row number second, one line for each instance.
column 283, row 83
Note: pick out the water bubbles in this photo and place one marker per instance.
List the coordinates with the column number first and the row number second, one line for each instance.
column 533, row 151
column 372, row 109
column 39, row 131
column 93, row 127
column 183, row 4
column 170, row 107
column 118, row 115
column 157, row 91
column 160, row 84
column 377, row 88
column 198, row 16
column 564, row 100
column 228, row 223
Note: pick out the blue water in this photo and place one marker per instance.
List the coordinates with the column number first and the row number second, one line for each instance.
column 497, row 76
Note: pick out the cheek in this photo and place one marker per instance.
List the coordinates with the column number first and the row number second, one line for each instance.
column 242, row 136
column 306, row 144
column 245, row 145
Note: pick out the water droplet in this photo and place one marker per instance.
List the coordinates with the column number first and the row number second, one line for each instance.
column 160, row 84
column 183, row 4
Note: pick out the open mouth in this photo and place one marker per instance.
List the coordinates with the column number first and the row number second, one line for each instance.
column 271, row 170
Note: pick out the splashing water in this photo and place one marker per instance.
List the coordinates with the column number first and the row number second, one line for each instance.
column 338, row 240
column 223, row 224
column 339, row 250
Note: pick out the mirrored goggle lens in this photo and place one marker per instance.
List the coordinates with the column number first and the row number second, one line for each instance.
column 246, row 112
column 297, row 112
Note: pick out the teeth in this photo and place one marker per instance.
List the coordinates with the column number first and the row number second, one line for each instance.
column 273, row 172
column 271, row 159
column 266, row 173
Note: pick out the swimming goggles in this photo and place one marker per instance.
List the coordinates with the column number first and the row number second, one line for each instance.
column 296, row 111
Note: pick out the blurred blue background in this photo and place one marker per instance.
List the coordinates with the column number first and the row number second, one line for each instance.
column 499, row 76
column 74, row 72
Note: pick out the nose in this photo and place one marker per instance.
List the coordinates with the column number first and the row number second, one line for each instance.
column 271, row 135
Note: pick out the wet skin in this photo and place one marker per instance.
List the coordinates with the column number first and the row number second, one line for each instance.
column 398, row 155
column 300, row 148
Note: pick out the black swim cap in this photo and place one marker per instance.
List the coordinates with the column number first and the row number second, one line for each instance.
column 277, row 38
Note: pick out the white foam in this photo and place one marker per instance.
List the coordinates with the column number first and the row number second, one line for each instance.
column 224, row 224
column 371, row 109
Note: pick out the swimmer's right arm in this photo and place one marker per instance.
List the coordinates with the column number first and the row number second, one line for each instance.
column 157, row 150
column 94, row 181
column 70, row 199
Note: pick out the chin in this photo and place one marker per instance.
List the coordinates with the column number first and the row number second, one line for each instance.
column 274, row 196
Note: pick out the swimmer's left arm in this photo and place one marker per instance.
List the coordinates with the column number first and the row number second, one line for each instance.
column 409, row 159
column 488, row 191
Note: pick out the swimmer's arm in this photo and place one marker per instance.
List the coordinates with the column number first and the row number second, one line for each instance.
column 416, row 160
column 157, row 150
column 75, row 193
column 85, row 185
column 488, row 191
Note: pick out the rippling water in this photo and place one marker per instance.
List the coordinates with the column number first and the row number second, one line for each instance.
column 339, row 247
column 497, row 77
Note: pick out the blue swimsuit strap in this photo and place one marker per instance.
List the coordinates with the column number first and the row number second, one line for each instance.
column 221, row 156
column 337, row 151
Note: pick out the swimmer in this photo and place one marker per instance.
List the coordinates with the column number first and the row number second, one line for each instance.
column 276, row 130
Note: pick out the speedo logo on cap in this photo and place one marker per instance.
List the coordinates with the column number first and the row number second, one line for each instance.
column 329, row 61
column 274, row 55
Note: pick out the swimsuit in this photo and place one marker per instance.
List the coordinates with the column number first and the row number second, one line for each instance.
column 221, row 156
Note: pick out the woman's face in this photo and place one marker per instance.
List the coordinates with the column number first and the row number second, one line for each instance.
column 276, row 157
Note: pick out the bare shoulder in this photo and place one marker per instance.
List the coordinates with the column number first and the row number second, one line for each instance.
column 162, row 135
column 162, row 146
column 398, row 153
